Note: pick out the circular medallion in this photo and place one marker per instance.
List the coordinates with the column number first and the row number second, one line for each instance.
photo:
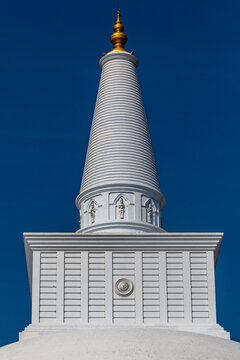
column 124, row 287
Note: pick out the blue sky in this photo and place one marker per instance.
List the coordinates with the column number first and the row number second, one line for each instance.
column 189, row 73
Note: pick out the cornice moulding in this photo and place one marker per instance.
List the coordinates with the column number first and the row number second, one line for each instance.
column 165, row 235
column 158, row 241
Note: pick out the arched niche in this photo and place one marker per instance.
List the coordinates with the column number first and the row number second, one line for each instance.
column 151, row 212
column 92, row 211
column 121, row 206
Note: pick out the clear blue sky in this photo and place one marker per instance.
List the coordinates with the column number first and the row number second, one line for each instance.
column 189, row 58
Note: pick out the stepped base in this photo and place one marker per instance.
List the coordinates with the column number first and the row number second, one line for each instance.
column 41, row 330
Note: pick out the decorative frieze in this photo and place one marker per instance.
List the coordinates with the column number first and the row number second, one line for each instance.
column 120, row 210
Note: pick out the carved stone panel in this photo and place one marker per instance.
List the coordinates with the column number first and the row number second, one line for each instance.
column 121, row 206
column 150, row 211
column 92, row 210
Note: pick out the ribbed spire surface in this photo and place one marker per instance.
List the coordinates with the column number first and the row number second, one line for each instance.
column 120, row 189
column 119, row 150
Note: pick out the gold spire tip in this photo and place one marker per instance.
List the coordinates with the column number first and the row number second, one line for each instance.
column 118, row 38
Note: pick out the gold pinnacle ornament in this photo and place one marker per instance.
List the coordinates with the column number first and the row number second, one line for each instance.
column 118, row 38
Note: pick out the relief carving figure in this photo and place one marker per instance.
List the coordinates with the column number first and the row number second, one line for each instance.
column 149, row 213
column 92, row 212
column 121, row 207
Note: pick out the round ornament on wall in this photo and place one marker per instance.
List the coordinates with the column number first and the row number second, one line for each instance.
column 124, row 287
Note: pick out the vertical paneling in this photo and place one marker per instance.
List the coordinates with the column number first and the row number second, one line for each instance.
column 84, row 286
column 108, row 288
column 163, row 286
column 123, row 267
column 187, row 287
column 96, row 286
column 60, row 287
column 199, row 287
column 151, row 291
column 139, row 286
column 48, row 286
column 169, row 287
column 211, row 288
column 36, row 287
column 72, row 286
column 175, row 289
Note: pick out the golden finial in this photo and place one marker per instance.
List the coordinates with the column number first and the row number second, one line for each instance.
column 118, row 38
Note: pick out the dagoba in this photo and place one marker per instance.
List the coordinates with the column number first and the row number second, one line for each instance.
column 121, row 286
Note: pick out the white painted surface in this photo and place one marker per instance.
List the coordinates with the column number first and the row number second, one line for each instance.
column 211, row 287
column 72, row 286
column 109, row 288
column 163, row 286
column 201, row 287
column 139, row 286
column 60, row 287
column 48, row 286
column 120, row 162
column 34, row 275
column 96, row 286
column 187, row 287
column 73, row 277
column 123, row 343
column 151, row 287
column 119, row 148
column 172, row 277
column 84, row 286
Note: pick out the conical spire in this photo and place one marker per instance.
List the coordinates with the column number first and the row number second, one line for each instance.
column 118, row 38
column 120, row 178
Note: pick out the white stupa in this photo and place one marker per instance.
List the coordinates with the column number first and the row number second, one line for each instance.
column 121, row 286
